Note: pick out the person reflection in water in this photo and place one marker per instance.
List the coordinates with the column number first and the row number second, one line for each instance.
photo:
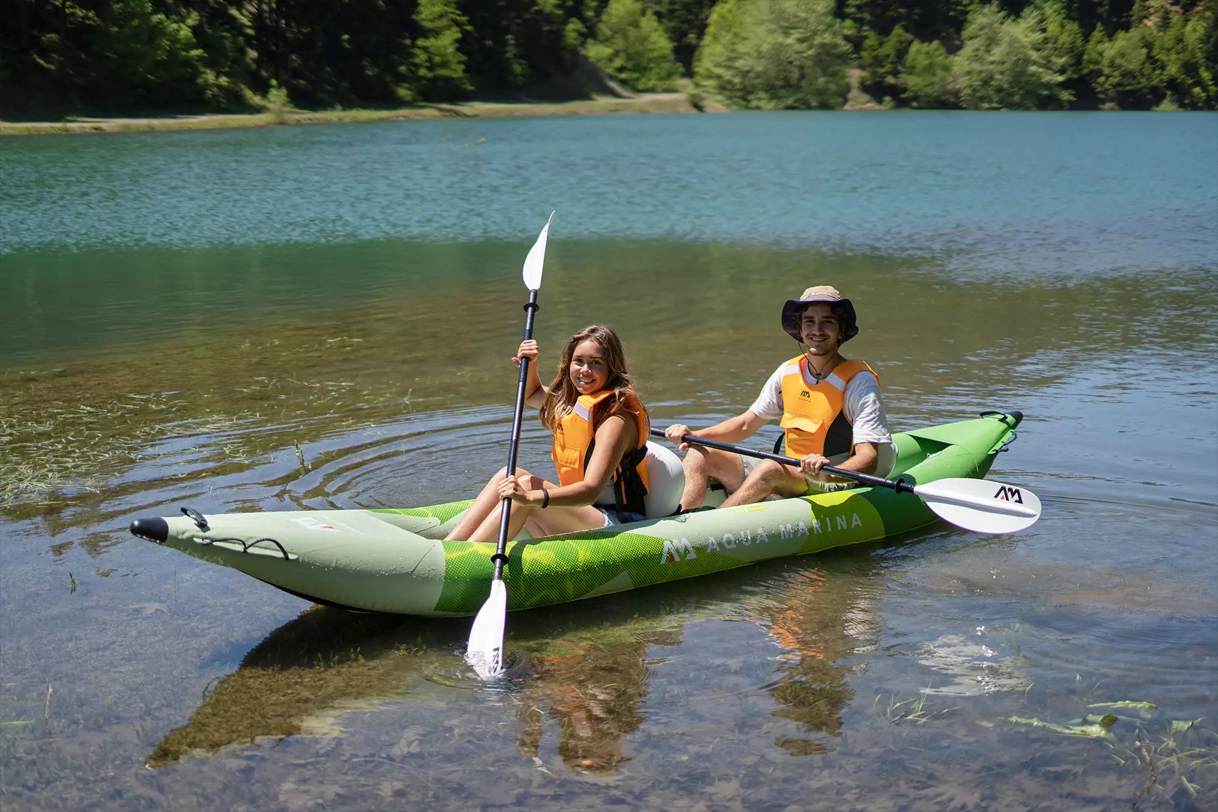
column 831, row 410
column 818, row 620
column 593, row 691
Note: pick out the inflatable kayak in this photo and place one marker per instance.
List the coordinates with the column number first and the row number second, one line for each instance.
column 396, row 561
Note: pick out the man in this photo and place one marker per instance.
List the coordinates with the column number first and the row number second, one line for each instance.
column 831, row 411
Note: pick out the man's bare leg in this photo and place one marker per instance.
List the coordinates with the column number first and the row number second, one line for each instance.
column 700, row 463
column 768, row 478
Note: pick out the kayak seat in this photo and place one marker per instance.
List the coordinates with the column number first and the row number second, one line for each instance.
column 665, row 483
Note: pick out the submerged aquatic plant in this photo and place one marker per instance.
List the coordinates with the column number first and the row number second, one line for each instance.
column 1182, row 758
column 915, row 709
column 1085, row 728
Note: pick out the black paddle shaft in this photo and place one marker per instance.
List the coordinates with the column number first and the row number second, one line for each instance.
column 505, row 510
column 898, row 485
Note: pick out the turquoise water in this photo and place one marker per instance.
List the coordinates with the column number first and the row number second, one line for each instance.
column 1075, row 190
column 180, row 313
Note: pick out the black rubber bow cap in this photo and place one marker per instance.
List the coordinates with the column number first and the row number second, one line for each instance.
column 155, row 529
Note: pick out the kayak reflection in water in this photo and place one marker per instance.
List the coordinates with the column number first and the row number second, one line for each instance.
column 600, row 434
column 831, row 409
column 585, row 688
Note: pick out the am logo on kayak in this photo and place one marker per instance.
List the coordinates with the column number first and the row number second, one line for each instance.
column 685, row 550
column 309, row 523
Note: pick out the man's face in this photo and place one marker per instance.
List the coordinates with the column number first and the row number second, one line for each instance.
column 819, row 329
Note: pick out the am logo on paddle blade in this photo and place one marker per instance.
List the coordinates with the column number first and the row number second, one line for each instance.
column 1009, row 494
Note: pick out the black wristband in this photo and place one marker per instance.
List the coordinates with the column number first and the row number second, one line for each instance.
column 545, row 498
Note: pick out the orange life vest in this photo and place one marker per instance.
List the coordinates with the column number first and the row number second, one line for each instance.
column 814, row 416
column 574, row 440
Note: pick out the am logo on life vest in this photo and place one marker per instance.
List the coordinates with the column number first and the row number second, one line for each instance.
column 1009, row 494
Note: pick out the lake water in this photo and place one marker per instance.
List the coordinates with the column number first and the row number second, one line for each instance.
column 185, row 318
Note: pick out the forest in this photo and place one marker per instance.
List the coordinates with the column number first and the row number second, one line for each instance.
column 150, row 57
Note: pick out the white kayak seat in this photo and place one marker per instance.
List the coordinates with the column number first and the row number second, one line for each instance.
column 665, row 483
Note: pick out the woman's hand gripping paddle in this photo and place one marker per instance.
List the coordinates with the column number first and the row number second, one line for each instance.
column 485, row 650
column 980, row 505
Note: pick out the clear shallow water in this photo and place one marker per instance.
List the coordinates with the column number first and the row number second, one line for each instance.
column 181, row 311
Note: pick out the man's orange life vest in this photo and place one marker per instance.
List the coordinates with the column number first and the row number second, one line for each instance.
column 814, row 416
column 574, row 440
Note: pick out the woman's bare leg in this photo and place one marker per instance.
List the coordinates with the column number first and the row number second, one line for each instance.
column 548, row 522
column 554, row 521
column 484, row 505
column 488, row 529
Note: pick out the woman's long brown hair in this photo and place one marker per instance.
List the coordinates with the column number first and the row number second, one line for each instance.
column 562, row 396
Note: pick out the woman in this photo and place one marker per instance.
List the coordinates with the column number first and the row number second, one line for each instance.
column 600, row 435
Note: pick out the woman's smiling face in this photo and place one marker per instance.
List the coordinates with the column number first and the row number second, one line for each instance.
column 588, row 371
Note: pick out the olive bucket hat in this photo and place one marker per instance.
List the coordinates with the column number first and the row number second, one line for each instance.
column 794, row 308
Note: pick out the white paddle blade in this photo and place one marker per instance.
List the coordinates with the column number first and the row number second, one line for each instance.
column 981, row 505
column 485, row 650
column 537, row 257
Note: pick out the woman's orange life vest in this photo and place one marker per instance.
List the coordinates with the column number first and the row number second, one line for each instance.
column 814, row 416
column 575, row 438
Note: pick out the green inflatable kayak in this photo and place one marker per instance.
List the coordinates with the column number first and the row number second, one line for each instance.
column 396, row 561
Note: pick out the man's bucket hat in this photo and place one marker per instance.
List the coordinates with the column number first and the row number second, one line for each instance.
column 794, row 308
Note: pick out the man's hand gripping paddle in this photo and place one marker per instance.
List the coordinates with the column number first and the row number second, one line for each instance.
column 485, row 650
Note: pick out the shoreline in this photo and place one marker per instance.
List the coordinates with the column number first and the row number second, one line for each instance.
column 640, row 104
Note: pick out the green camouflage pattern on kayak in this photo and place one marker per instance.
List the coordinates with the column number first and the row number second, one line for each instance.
column 445, row 513
column 582, row 565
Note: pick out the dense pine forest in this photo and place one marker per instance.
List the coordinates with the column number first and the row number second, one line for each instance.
column 60, row 57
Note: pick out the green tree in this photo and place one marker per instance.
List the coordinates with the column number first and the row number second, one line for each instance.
column 882, row 59
column 519, row 44
column 1063, row 43
column 775, row 54
column 928, row 75
column 925, row 19
column 1005, row 64
column 1179, row 45
column 116, row 54
column 439, row 65
column 684, row 22
column 1128, row 77
column 1093, row 55
column 631, row 46
column 717, row 63
column 1199, row 60
column 575, row 33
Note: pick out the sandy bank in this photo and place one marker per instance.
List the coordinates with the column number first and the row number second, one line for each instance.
column 642, row 103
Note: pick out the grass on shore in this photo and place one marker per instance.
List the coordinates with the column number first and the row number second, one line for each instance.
column 643, row 103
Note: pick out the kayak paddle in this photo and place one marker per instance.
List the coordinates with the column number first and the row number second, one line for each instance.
column 485, row 650
column 980, row 505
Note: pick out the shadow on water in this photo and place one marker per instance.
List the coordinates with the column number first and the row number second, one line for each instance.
column 582, row 671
